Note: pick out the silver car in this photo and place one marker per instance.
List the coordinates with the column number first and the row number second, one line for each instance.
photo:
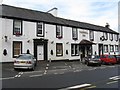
column 92, row 60
column 25, row 61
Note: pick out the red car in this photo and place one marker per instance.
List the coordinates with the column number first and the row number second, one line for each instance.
column 117, row 58
column 108, row 59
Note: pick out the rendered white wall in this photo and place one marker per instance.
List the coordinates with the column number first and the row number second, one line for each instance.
column 0, row 39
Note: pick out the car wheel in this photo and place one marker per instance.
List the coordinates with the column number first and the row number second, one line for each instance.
column 88, row 64
column 15, row 69
column 33, row 68
column 99, row 64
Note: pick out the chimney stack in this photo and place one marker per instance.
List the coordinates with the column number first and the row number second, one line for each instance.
column 53, row 11
column 107, row 25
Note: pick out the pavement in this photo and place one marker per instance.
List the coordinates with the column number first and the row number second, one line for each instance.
column 48, row 68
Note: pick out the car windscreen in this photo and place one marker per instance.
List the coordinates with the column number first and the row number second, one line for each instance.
column 111, row 56
column 118, row 56
column 95, row 57
column 24, row 57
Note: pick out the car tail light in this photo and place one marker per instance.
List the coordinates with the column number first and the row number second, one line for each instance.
column 29, row 62
column 16, row 61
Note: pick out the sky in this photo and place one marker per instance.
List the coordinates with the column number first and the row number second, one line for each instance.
column 98, row 12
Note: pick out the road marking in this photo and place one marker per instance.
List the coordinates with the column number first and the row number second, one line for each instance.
column 55, row 73
column 112, row 82
column 7, row 78
column 47, row 68
column 45, row 72
column 77, row 70
column 115, row 78
column 16, row 75
column 102, row 67
column 65, row 63
column 62, row 73
column 36, row 75
column 90, row 87
column 47, row 64
column 77, row 86
column 70, row 67
column 33, row 72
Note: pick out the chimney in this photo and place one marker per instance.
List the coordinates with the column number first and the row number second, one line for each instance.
column 107, row 25
column 53, row 11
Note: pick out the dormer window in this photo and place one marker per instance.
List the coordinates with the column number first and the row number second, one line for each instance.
column 40, row 29
column 74, row 33
column 17, row 27
column 59, row 31
column 91, row 35
column 116, row 37
column 111, row 36
column 105, row 36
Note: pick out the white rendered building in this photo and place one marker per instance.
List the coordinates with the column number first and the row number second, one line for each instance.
column 49, row 37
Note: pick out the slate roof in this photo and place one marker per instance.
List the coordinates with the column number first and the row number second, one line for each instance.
column 33, row 15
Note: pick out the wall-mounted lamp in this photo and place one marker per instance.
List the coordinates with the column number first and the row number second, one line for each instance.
column 6, row 38
column 67, row 42
column 52, row 42
column 28, row 41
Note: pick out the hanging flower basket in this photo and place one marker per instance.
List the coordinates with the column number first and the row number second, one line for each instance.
column 17, row 34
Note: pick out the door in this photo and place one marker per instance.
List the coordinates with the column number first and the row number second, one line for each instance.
column 100, row 49
column 40, row 52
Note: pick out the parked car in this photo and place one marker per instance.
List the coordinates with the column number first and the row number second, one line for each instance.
column 108, row 59
column 92, row 60
column 117, row 58
column 25, row 61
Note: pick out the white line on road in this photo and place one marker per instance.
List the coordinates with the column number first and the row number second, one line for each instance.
column 33, row 72
column 115, row 78
column 16, row 75
column 6, row 78
column 112, row 82
column 77, row 86
column 36, row 75
column 46, row 67
column 47, row 64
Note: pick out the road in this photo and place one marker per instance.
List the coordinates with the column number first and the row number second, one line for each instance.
column 66, row 78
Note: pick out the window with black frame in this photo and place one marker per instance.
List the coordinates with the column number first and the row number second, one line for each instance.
column 40, row 29
column 91, row 35
column 105, row 48
column 116, row 37
column 17, row 48
column 74, row 33
column 17, row 27
column 74, row 49
column 111, row 48
column 105, row 34
column 59, row 31
column 116, row 48
column 111, row 36
column 59, row 49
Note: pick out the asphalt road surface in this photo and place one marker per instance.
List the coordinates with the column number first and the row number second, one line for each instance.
column 69, row 76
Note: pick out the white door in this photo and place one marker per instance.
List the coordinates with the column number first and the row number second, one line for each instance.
column 40, row 53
